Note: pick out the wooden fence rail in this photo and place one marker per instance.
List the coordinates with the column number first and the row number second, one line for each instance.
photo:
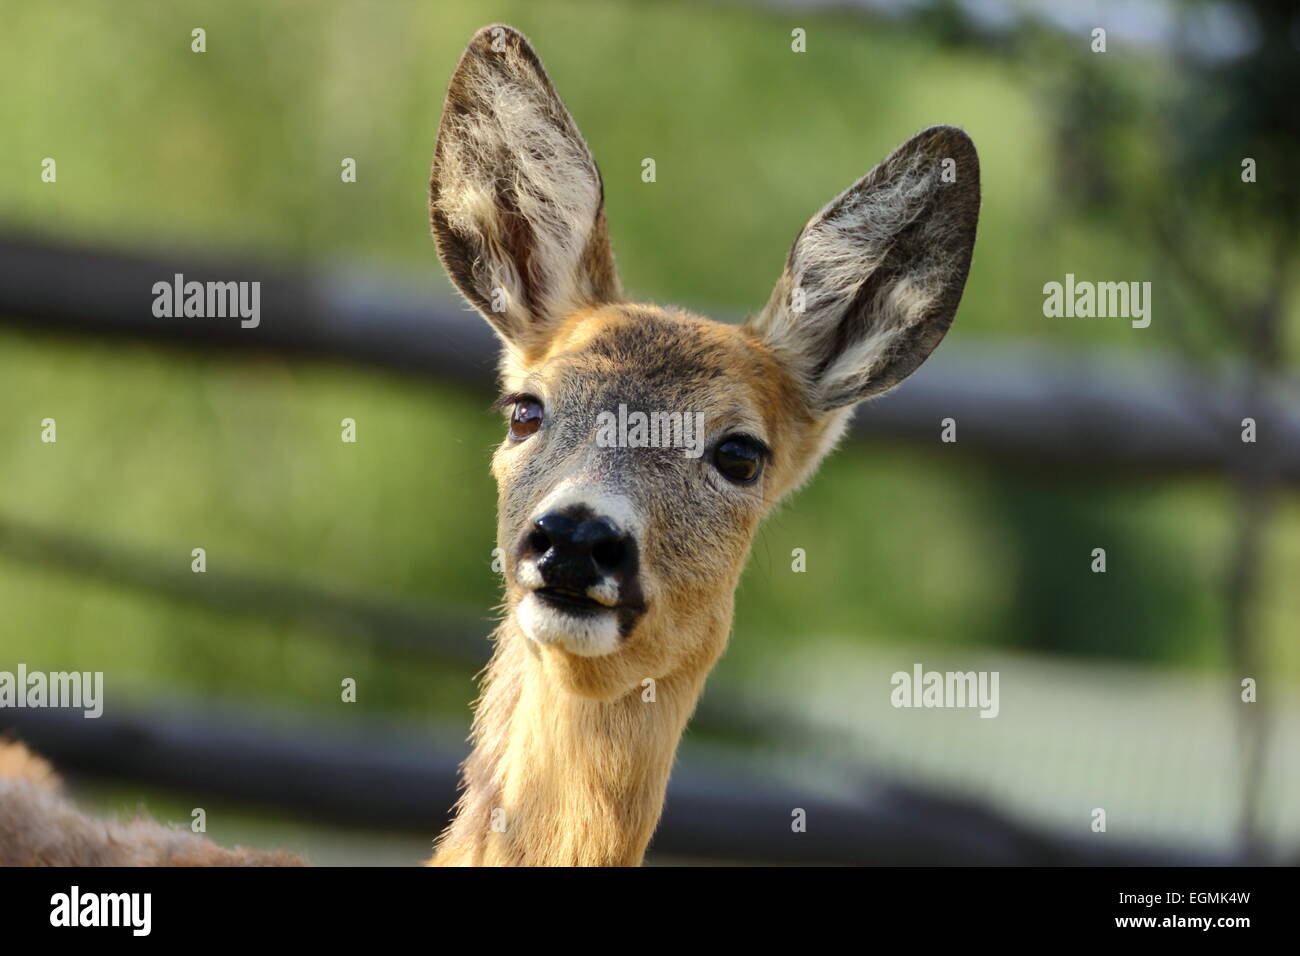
column 399, row 778
column 1102, row 412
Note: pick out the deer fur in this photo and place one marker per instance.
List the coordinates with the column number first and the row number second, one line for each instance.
column 582, row 707
column 39, row 826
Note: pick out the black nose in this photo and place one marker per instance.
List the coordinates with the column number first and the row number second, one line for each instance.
column 574, row 548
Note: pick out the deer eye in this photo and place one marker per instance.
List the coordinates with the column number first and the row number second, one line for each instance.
column 526, row 418
column 740, row 459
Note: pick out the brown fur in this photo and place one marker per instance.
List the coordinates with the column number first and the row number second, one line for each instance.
column 40, row 827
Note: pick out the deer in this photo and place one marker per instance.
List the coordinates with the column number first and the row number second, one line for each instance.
column 621, row 559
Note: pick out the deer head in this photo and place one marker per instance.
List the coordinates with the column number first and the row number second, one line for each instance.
column 621, row 562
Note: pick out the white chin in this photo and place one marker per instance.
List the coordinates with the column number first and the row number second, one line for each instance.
column 587, row 635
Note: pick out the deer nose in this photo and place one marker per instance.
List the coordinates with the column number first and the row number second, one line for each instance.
column 575, row 548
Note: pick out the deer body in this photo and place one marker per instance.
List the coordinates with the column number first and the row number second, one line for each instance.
column 621, row 561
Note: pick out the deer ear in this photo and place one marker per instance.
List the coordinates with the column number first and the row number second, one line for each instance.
column 873, row 281
column 515, row 198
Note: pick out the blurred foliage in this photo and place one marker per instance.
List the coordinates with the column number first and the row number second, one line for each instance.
column 239, row 149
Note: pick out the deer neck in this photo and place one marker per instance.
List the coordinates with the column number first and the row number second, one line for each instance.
column 558, row 779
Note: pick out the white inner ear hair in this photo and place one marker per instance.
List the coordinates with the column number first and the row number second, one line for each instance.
column 838, row 251
column 516, row 130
